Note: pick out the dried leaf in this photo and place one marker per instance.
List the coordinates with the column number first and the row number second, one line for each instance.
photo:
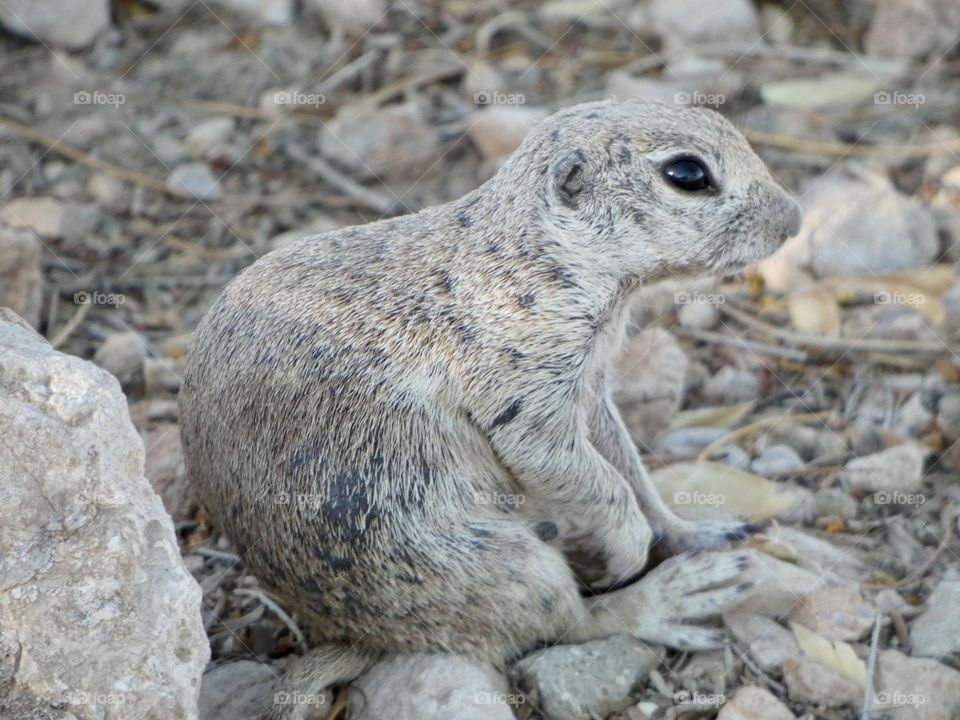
column 725, row 416
column 836, row 655
column 713, row 486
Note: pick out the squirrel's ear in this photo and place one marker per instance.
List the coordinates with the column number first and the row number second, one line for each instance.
column 568, row 177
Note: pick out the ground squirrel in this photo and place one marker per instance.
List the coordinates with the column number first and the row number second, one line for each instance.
column 403, row 426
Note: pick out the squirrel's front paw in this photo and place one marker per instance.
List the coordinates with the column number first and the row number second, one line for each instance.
column 690, row 587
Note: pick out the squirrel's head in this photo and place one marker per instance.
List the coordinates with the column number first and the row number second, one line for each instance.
column 656, row 190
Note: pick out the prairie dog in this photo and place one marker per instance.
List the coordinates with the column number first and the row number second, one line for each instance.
column 403, row 425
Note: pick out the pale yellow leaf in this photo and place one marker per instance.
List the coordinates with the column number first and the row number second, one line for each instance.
column 723, row 416
column 836, row 655
column 699, row 486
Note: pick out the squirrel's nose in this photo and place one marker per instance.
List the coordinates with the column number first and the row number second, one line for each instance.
column 792, row 217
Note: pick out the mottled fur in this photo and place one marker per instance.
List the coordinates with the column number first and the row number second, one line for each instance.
column 391, row 421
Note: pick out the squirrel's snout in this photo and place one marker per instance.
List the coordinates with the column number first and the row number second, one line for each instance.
column 790, row 216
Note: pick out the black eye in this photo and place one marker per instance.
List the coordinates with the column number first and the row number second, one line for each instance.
column 687, row 174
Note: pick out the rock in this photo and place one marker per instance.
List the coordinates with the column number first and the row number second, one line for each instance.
column 836, row 613
column 88, row 521
column 915, row 688
column 109, row 192
column 888, row 601
column 776, row 460
column 71, row 24
column 649, row 382
column 896, row 470
column 834, row 501
column 204, row 139
column 267, row 12
column 167, row 472
column 687, row 23
column 122, row 355
column 731, row 385
column 767, row 641
column 51, row 219
column 21, row 280
column 755, row 703
column 239, row 690
column 194, row 180
column 498, row 130
column 912, row 28
column 808, row 681
column 356, row 16
column 855, row 223
column 734, row 456
column 936, row 633
column 699, row 315
column 593, row 679
column 705, row 675
column 393, row 141
column 687, row 442
column 431, row 687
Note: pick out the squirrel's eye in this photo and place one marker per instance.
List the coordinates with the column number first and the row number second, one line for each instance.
column 687, row 174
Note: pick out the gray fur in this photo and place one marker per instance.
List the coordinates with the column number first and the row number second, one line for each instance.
column 429, row 395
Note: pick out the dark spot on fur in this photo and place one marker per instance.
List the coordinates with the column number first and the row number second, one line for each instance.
column 467, row 333
column 513, row 409
column 407, row 578
column 555, row 135
column 464, row 219
column 310, row 585
column 564, row 277
column 527, row 300
column 547, row 603
column 546, row 530
column 593, row 116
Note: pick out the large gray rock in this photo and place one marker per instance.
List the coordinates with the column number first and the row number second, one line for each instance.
column 430, row 687
column 241, row 690
column 72, row 24
column 100, row 620
column 916, row 688
column 854, row 223
column 936, row 633
column 593, row 679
